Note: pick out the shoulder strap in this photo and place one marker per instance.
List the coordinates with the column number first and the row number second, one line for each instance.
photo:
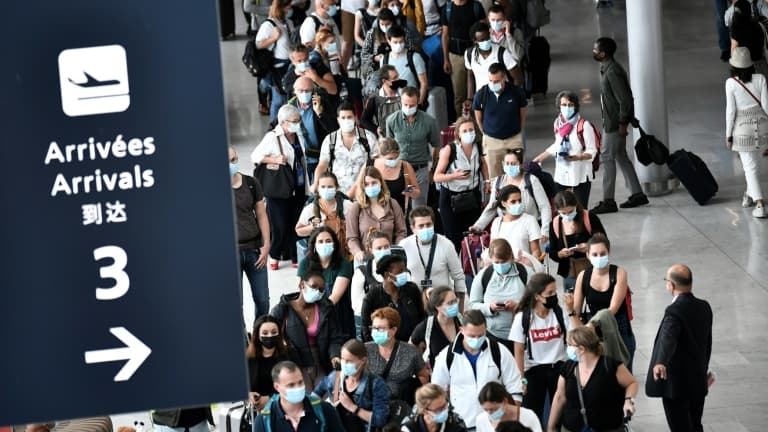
column 612, row 272
column 428, row 336
column 499, row 179
column 411, row 65
column 483, row 96
column 747, row 90
column 386, row 57
column 583, row 410
column 587, row 222
column 340, row 207
column 448, row 8
column 527, row 332
column 580, row 132
column 385, row 372
column 529, row 187
column 522, row 272
column 495, row 354
column 585, row 287
column 251, row 182
column 560, row 321
column 317, row 407
column 332, row 149
column 452, row 153
column 317, row 21
column 487, row 274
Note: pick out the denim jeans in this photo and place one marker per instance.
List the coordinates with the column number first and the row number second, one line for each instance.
column 257, row 278
column 723, row 38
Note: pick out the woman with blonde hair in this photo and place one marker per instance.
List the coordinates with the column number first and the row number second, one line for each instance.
column 374, row 210
column 433, row 411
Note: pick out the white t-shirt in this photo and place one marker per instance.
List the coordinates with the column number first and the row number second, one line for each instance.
column 519, row 233
column 528, row 418
column 352, row 5
column 282, row 48
column 403, row 70
column 546, row 338
column 308, row 29
column 479, row 65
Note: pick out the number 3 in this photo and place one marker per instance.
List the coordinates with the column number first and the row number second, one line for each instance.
column 114, row 271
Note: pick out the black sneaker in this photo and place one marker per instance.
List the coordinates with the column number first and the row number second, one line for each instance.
column 605, row 206
column 635, row 200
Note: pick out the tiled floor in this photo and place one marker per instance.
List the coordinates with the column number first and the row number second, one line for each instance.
column 725, row 246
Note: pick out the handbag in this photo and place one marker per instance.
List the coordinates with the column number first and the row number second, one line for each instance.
column 650, row 150
column 464, row 201
column 277, row 181
column 398, row 408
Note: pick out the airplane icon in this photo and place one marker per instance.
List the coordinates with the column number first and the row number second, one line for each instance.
column 93, row 82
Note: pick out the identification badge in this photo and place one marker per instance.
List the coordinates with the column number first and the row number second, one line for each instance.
column 427, row 283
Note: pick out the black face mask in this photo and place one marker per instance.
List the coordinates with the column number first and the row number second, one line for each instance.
column 269, row 341
column 551, row 301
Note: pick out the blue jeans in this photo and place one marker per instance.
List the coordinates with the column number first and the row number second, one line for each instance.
column 257, row 278
column 625, row 329
column 723, row 38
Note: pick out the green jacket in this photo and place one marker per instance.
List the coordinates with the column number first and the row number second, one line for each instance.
column 616, row 96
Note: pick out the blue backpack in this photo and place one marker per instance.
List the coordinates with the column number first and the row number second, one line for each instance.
column 314, row 401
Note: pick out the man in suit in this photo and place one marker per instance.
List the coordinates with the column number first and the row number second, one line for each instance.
column 679, row 368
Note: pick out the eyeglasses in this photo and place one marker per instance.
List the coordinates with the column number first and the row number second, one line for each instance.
column 438, row 410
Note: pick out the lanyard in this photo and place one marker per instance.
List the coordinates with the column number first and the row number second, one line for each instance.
column 428, row 266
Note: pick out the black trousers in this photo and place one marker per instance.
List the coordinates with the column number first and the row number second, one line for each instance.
column 283, row 215
column 227, row 17
column 684, row 415
column 541, row 379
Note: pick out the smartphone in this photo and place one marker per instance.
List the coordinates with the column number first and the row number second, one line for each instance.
column 568, row 290
column 563, row 154
column 409, row 188
column 573, row 248
column 500, row 304
column 466, row 171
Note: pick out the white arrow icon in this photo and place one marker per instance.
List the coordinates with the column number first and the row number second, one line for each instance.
column 135, row 352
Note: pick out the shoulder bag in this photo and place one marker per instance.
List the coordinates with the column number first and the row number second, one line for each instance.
column 277, row 181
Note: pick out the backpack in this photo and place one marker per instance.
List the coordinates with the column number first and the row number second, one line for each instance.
column 650, row 150
column 536, row 14
column 598, row 138
column 360, row 137
column 367, row 268
column 257, row 60
column 428, row 336
column 612, row 272
column 527, row 327
column 477, row 10
column 500, row 59
column 314, row 401
column 488, row 273
column 385, row 106
column 545, row 178
column 251, row 182
column 409, row 57
column 492, row 344
column 528, row 186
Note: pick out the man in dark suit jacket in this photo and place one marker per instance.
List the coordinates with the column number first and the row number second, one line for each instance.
column 679, row 369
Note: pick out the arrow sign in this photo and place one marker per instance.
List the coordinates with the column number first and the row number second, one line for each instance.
column 135, row 352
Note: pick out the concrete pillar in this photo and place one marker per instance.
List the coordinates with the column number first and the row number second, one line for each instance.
column 646, row 72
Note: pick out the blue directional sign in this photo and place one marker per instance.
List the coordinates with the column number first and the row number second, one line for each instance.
column 119, row 285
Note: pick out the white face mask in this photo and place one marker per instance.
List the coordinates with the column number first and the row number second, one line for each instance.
column 397, row 48
column 395, row 10
column 292, row 127
column 347, row 125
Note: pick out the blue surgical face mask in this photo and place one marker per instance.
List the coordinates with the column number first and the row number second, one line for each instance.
column 395, row 10
column 497, row 25
column 599, row 262
column 571, row 352
column 569, row 216
column 391, row 162
column 440, row 417
column 301, row 67
column 234, row 168
column 295, row 395
column 304, row 97
column 452, row 311
column 348, row 369
column 332, row 10
column 567, row 111
column 426, row 234
column 468, row 137
column 312, row 295
column 324, row 249
column 502, row 268
column 495, row 87
column 331, row 48
column 380, row 337
column 327, row 193
column 401, row 279
column 289, row 13
column 381, row 253
column 372, row 191
column 515, row 209
column 474, row 343
column 498, row 414
column 512, row 170
column 484, row 45
column 409, row 111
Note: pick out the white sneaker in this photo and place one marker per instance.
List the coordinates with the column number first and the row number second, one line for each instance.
column 746, row 201
column 760, row 212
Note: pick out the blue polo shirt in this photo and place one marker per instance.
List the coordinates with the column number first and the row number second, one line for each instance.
column 501, row 114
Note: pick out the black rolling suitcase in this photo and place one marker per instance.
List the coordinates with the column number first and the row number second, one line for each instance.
column 693, row 174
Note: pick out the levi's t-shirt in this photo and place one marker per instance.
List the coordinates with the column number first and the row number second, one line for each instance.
column 546, row 338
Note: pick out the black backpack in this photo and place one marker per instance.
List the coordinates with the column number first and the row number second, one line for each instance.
column 363, row 141
column 409, row 56
column 527, row 327
column 650, row 150
column 474, row 51
column 258, row 61
column 492, row 343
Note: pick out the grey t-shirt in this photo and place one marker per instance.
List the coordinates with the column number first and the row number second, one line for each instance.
column 407, row 362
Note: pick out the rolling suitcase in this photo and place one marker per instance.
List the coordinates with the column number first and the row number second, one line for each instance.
column 447, row 136
column 694, row 175
column 237, row 418
column 438, row 106
column 472, row 247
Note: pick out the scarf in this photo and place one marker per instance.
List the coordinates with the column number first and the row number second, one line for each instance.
column 565, row 127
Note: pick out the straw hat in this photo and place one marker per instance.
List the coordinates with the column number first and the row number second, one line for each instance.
column 740, row 58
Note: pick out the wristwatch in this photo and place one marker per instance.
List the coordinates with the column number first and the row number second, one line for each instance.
column 357, row 410
column 524, row 381
column 630, row 399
